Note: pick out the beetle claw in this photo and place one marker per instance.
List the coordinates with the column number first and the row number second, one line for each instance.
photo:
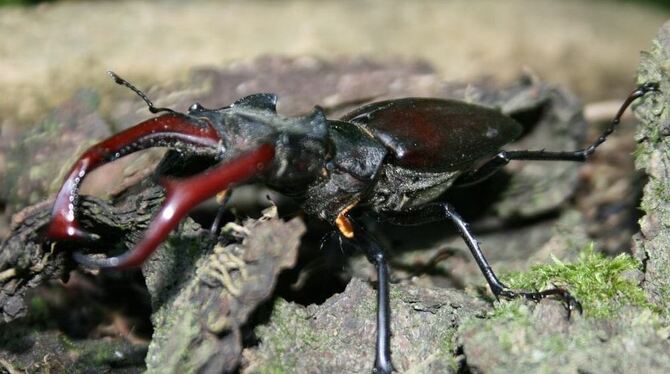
column 172, row 130
column 182, row 195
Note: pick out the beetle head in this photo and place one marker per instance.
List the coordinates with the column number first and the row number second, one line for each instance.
column 300, row 142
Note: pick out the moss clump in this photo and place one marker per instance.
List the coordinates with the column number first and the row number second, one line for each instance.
column 597, row 281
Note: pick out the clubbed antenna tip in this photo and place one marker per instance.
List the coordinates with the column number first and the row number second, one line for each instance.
column 123, row 82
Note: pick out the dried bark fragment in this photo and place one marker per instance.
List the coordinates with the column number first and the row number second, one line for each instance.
column 198, row 316
column 538, row 338
column 338, row 336
column 652, row 245
column 28, row 260
column 25, row 349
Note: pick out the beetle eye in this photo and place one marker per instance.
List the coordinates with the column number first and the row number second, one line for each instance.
column 196, row 107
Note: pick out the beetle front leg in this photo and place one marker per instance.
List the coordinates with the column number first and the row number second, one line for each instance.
column 361, row 240
column 169, row 130
column 433, row 212
column 182, row 196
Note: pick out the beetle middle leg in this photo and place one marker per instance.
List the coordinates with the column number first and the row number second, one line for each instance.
column 361, row 240
column 221, row 199
column 439, row 211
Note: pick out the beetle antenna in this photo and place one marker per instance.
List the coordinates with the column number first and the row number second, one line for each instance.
column 139, row 93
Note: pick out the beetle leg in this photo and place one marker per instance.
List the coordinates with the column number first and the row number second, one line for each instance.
column 504, row 157
column 170, row 130
column 222, row 198
column 433, row 212
column 181, row 196
column 363, row 241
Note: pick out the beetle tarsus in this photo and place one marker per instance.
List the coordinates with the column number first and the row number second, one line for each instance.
column 569, row 301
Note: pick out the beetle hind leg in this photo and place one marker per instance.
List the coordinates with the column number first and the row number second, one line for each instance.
column 433, row 212
column 504, row 157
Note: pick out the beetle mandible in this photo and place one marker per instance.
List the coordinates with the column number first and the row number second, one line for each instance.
column 394, row 158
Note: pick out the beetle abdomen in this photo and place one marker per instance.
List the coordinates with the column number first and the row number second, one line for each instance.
column 435, row 134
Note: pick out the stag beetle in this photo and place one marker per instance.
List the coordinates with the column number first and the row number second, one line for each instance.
column 394, row 158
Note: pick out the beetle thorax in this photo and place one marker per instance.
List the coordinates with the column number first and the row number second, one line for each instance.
column 300, row 143
column 398, row 188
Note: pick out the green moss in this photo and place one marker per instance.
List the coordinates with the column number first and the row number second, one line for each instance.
column 39, row 309
column 641, row 153
column 660, row 189
column 597, row 281
column 288, row 332
column 98, row 354
column 67, row 342
column 23, row 2
column 514, row 310
column 447, row 349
